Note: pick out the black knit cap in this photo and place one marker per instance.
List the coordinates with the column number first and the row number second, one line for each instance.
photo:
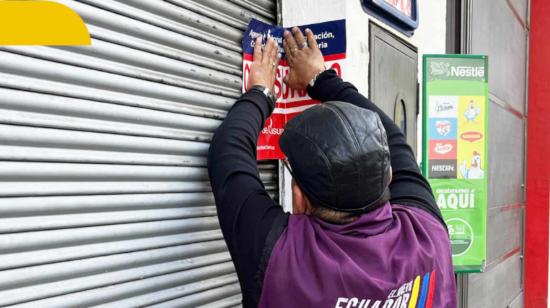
column 339, row 156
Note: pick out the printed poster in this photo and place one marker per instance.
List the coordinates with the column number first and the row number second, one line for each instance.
column 331, row 38
column 455, row 151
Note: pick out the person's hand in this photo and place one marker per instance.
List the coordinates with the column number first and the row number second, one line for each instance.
column 304, row 58
column 264, row 64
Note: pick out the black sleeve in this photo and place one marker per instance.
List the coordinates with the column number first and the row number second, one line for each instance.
column 245, row 210
column 408, row 186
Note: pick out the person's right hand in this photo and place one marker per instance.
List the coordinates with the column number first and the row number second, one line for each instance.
column 304, row 58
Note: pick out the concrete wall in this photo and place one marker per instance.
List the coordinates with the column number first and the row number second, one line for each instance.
column 498, row 28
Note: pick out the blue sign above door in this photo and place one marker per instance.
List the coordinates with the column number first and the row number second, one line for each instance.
column 401, row 14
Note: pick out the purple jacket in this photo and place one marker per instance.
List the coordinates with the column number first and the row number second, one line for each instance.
column 376, row 258
column 392, row 257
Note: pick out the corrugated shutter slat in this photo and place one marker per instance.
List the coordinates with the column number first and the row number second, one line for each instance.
column 104, row 193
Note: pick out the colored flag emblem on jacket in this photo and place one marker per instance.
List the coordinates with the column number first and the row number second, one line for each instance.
column 417, row 293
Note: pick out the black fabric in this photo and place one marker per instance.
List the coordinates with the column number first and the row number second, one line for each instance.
column 246, row 212
column 277, row 228
column 339, row 156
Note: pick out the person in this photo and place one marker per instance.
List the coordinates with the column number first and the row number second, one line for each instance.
column 364, row 232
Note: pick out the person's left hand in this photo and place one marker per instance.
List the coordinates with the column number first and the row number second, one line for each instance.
column 264, row 65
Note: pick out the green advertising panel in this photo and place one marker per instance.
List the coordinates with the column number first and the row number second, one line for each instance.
column 455, row 150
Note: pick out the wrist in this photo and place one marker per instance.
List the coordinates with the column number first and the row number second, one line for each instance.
column 317, row 78
column 271, row 98
column 316, row 74
column 319, row 90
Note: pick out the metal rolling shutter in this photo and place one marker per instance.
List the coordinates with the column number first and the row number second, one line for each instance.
column 104, row 195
